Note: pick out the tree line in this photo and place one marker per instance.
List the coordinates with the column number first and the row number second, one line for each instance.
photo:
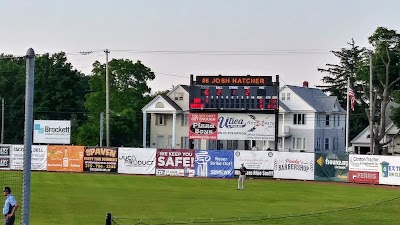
column 64, row 93
column 356, row 63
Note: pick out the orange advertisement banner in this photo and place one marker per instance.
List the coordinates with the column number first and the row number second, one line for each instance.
column 65, row 158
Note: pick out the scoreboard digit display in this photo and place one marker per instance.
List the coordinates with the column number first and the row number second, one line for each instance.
column 233, row 93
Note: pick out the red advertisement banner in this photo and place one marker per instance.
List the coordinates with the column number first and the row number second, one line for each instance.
column 203, row 126
column 175, row 162
column 364, row 177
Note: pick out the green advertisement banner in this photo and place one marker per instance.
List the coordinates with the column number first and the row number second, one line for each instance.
column 331, row 167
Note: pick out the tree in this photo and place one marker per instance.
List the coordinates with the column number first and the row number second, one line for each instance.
column 385, row 61
column 58, row 94
column 129, row 92
column 335, row 82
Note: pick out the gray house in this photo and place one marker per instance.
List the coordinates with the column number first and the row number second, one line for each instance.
column 309, row 121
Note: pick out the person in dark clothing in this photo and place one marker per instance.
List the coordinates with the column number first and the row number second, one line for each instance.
column 242, row 176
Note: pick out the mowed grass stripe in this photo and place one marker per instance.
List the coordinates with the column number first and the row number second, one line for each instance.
column 72, row 198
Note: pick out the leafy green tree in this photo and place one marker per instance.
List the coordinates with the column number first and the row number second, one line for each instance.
column 58, row 94
column 129, row 92
column 335, row 82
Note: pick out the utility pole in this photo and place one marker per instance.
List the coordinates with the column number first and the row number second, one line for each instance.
column 2, row 120
column 107, row 102
column 371, row 105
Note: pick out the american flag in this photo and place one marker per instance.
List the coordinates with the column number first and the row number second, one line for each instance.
column 352, row 96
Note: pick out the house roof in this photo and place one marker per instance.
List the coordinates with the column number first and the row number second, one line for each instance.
column 316, row 98
column 284, row 107
column 186, row 87
column 171, row 102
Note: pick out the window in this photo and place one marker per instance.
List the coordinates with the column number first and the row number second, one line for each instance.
column 185, row 142
column 338, row 120
column 178, row 96
column 232, row 144
column 318, row 119
column 318, row 143
column 287, row 96
column 326, row 144
column 334, row 120
column 299, row 119
column 299, row 143
column 185, row 119
column 335, row 143
column 212, row 144
column 327, row 120
column 283, row 96
column 160, row 120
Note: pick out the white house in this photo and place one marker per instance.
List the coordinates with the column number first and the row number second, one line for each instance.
column 309, row 121
column 361, row 143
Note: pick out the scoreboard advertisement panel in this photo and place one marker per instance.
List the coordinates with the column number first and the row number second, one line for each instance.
column 233, row 93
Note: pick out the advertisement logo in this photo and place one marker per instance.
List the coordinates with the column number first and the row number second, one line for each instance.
column 202, row 158
column 320, row 161
column 230, row 122
column 385, row 169
column 266, row 124
column 203, row 128
column 52, row 130
column 131, row 160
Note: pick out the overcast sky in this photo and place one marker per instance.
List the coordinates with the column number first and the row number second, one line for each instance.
column 256, row 37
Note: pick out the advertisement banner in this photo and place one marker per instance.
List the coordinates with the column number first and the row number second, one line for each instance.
column 5, row 153
column 294, row 165
column 175, row 162
column 65, row 158
column 38, row 157
column 100, row 159
column 364, row 169
column 203, row 126
column 239, row 126
column 331, row 167
column 364, row 177
column 389, row 171
column 52, row 132
column 364, row 163
column 214, row 163
column 137, row 160
column 257, row 163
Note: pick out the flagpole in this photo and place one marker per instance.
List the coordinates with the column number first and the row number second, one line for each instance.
column 347, row 115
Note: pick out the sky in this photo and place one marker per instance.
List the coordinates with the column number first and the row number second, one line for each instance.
column 176, row 38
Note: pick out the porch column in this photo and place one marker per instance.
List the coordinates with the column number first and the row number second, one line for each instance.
column 173, row 129
column 283, row 131
column 144, row 129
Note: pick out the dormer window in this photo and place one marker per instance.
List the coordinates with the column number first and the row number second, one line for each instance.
column 283, row 96
column 287, row 96
column 178, row 96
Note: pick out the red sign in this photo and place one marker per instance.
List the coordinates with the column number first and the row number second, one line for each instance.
column 364, row 177
column 203, row 126
column 175, row 162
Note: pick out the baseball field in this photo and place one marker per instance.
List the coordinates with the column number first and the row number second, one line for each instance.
column 72, row 198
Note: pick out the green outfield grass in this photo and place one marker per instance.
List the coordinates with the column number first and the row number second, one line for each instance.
column 71, row 199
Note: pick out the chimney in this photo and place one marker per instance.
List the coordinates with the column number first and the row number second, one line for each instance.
column 305, row 84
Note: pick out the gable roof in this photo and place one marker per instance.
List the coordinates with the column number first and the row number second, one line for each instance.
column 283, row 106
column 185, row 87
column 171, row 102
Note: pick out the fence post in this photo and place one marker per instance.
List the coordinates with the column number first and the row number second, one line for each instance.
column 108, row 219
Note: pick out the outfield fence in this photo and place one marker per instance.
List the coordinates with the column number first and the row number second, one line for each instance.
column 371, row 169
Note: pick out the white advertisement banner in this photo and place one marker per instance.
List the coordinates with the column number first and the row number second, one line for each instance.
column 368, row 163
column 52, row 132
column 38, row 157
column 137, row 160
column 5, row 154
column 257, row 163
column 255, row 160
column 239, row 126
column 389, row 172
column 293, row 165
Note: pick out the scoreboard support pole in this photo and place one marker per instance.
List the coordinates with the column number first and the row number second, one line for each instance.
column 277, row 114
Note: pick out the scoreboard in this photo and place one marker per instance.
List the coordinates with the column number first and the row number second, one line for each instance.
column 233, row 93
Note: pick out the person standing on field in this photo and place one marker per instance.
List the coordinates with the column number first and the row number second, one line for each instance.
column 10, row 206
column 242, row 176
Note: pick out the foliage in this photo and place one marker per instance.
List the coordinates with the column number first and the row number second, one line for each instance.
column 58, row 93
column 335, row 82
column 128, row 91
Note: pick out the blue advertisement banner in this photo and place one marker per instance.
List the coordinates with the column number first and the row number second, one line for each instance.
column 214, row 163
